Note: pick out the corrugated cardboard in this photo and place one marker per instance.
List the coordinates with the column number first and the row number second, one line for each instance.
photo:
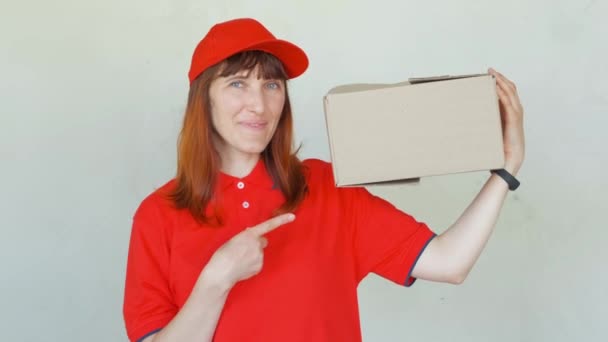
column 382, row 133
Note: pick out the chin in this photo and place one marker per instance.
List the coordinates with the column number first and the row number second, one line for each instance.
column 253, row 148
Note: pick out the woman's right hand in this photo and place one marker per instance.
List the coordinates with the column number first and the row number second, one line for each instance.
column 242, row 256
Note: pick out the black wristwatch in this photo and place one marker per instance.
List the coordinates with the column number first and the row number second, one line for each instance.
column 504, row 174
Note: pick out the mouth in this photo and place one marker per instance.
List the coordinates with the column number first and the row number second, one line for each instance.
column 254, row 125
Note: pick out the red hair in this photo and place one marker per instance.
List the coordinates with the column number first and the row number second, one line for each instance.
column 197, row 159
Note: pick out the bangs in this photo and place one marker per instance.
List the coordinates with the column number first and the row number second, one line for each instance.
column 268, row 66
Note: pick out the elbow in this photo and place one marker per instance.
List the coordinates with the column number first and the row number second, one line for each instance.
column 457, row 278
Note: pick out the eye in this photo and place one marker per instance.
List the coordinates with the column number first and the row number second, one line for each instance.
column 273, row 85
column 236, row 84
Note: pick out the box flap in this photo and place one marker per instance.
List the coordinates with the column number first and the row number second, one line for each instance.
column 417, row 80
column 408, row 181
column 351, row 88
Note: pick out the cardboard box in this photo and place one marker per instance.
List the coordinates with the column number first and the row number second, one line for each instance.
column 424, row 127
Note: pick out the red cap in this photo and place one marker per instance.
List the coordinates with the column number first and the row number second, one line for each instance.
column 228, row 38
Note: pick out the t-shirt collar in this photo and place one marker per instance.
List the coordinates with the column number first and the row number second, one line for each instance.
column 259, row 176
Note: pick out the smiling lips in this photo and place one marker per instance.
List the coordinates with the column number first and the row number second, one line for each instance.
column 254, row 125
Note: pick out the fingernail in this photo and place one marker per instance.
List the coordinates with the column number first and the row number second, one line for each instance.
column 291, row 217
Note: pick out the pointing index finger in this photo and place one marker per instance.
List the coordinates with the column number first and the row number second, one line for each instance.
column 272, row 224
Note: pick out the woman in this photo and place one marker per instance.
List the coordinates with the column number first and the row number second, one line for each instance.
column 248, row 243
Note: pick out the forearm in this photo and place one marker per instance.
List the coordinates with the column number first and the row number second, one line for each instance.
column 463, row 242
column 198, row 318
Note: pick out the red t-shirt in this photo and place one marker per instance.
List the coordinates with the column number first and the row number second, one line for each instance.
column 307, row 289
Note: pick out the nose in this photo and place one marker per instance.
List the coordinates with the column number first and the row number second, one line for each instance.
column 256, row 103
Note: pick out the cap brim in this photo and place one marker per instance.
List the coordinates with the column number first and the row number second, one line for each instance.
column 293, row 58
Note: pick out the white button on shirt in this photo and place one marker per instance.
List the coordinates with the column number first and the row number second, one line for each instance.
column 245, row 204
column 240, row 185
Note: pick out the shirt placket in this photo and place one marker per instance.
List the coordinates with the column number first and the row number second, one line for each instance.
column 244, row 205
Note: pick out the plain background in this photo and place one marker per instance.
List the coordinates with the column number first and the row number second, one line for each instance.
column 92, row 96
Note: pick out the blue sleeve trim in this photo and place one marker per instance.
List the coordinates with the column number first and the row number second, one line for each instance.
column 409, row 274
column 148, row 334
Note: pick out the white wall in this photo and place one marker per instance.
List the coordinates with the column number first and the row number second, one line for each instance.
column 92, row 95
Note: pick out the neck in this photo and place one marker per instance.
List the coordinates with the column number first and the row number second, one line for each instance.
column 239, row 166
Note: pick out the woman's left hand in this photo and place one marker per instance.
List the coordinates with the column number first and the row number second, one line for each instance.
column 512, row 116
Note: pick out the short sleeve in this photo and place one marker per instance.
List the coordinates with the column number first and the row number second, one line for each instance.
column 387, row 241
column 148, row 302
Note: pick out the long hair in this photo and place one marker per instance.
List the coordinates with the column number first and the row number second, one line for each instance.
column 198, row 162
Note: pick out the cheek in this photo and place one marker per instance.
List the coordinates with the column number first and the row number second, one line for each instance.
column 276, row 104
column 225, row 109
column 216, row 118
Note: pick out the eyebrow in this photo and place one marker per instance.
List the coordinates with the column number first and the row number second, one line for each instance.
column 245, row 77
column 233, row 77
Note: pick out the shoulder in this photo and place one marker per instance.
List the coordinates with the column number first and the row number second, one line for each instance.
column 157, row 204
column 320, row 176
column 320, row 179
column 318, row 172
